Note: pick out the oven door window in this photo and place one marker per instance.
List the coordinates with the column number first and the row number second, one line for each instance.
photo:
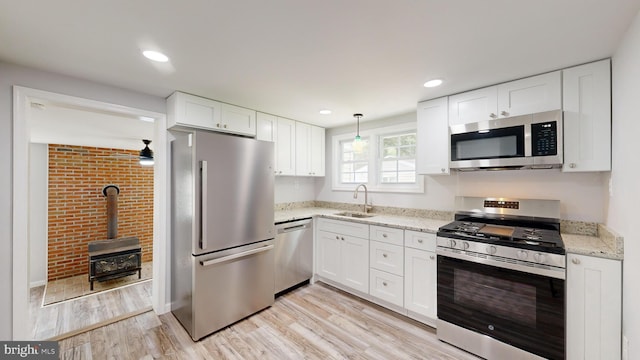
column 521, row 309
column 491, row 144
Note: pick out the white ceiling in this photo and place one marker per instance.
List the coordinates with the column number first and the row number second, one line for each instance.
column 53, row 123
column 294, row 57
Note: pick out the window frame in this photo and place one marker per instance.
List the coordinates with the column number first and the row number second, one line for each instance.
column 374, row 184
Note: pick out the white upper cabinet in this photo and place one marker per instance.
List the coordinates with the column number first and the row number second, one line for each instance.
column 587, row 117
column 473, row 106
column 317, row 151
column 530, row 95
column 285, row 147
column 237, row 120
column 192, row 111
column 433, row 137
column 309, row 150
column 300, row 147
column 525, row 96
column 266, row 127
column 201, row 113
column 282, row 132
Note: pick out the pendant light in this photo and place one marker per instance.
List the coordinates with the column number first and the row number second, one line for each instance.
column 357, row 141
column 146, row 155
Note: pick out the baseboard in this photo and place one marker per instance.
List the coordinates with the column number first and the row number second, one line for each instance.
column 163, row 310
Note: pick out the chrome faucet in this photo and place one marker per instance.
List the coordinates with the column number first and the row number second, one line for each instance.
column 365, row 207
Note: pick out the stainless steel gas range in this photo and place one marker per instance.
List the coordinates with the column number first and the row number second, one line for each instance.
column 501, row 279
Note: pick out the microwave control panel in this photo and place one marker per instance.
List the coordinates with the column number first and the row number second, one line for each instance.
column 544, row 139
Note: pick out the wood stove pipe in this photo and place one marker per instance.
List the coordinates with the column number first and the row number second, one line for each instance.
column 111, row 192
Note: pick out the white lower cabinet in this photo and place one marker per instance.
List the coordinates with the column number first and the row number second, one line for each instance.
column 594, row 307
column 387, row 287
column 343, row 253
column 420, row 274
column 354, row 263
column 386, row 259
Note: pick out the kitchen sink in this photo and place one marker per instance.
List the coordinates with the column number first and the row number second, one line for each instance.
column 355, row 215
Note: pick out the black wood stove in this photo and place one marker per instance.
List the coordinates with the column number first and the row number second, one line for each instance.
column 114, row 258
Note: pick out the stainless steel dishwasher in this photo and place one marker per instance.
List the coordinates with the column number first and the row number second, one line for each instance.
column 293, row 253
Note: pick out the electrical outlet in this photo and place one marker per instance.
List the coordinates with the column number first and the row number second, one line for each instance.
column 625, row 348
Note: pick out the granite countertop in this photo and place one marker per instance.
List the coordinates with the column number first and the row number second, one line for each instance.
column 402, row 222
column 606, row 245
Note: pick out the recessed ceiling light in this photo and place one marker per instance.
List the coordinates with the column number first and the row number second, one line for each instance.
column 433, row 83
column 155, row 56
column 325, row 112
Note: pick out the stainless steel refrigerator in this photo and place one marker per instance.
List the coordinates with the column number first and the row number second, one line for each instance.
column 222, row 267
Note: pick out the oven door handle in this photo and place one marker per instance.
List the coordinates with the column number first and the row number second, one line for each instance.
column 543, row 270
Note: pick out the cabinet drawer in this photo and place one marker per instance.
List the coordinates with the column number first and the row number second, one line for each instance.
column 344, row 227
column 387, row 235
column 387, row 257
column 387, row 287
column 420, row 240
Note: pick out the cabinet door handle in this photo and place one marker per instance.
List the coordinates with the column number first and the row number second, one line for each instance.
column 572, row 165
column 384, row 283
column 420, row 241
column 342, row 238
column 432, row 257
column 384, row 235
column 575, row 261
column 442, row 170
column 384, row 255
column 493, row 115
column 504, row 113
column 337, row 237
column 218, row 125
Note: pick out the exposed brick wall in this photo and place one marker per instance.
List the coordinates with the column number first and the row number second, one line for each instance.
column 78, row 210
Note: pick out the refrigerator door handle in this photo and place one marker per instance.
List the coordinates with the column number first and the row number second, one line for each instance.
column 236, row 256
column 203, row 204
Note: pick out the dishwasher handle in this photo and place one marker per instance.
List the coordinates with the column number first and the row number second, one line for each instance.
column 235, row 256
column 294, row 226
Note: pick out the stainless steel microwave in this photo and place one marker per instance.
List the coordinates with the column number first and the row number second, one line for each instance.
column 521, row 142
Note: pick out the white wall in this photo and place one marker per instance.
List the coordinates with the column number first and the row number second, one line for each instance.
column 17, row 75
column 625, row 201
column 294, row 189
column 582, row 195
column 38, row 205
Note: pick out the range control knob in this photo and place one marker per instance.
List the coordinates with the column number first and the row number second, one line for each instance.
column 522, row 255
column 538, row 257
column 452, row 243
column 465, row 245
column 491, row 250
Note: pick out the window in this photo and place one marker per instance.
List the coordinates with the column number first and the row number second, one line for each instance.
column 354, row 165
column 386, row 163
column 398, row 158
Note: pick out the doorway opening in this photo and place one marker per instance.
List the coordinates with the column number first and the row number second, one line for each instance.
column 94, row 134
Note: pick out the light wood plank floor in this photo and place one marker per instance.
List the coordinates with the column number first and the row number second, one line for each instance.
column 312, row 322
column 56, row 319
column 79, row 285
